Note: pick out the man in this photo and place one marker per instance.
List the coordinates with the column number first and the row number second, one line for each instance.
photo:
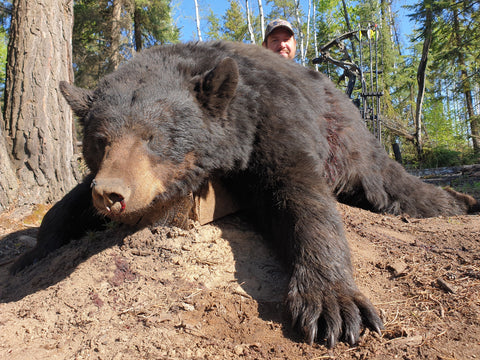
column 280, row 38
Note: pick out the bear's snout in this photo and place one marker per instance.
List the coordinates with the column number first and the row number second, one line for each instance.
column 110, row 196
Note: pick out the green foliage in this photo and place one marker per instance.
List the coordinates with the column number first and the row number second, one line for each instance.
column 155, row 22
column 440, row 123
column 284, row 9
column 214, row 28
column 455, row 53
column 89, row 41
column 440, row 156
column 452, row 70
column 3, row 59
column 94, row 34
column 444, row 156
column 234, row 23
column 325, row 6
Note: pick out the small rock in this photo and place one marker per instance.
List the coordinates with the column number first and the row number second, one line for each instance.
column 187, row 307
column 238, row 350
column 398, row 268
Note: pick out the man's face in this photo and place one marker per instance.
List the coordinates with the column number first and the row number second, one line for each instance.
column 282, row 42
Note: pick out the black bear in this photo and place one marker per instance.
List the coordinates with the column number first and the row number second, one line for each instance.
column 277, row 133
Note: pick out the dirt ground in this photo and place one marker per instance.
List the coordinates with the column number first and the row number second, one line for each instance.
column 216, row 292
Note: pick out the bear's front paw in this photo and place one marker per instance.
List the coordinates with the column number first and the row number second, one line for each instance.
column 331, row 312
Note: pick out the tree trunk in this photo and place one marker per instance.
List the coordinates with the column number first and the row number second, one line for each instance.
column 466, row 86
column 300, row 33
column 197, row 21
column 137, row 28
column 397, row 152
column 309, row 14
column 422, row 66
column 315, row 42
column 262, row 18
column 349, row 27
column 249, row 23
column 116, row 33
column 8, row 180
column 38, row 122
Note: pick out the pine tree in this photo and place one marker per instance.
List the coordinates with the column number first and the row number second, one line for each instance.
column 235, row 27
column 107, row 33
column 38, row 122
column 214, row 27
column 453, row 48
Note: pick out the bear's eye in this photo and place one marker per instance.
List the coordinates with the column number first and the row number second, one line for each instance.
column 101, row 142
column 154, row 144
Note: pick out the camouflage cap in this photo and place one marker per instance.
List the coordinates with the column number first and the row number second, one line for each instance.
column 278, row 23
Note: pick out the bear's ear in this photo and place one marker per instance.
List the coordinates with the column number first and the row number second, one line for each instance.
column 217, row 87
column 79, row 99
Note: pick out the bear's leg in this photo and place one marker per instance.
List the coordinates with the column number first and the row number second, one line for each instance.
column 68, row 219
column 322, row 297
column 389, row 188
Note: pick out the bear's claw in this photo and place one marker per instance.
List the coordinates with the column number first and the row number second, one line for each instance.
column 331, row 314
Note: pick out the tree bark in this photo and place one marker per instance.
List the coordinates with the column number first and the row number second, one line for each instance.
column 137, row 28
column 300, row 33
column 197, row 21
column 466, row 86
column 349, row 27
column 116, row 32
column 38, row 122
column 315, row 42
column 8, row 180
column 307, row 40
column 249, row 23
column 262, row 18
column 422, row 66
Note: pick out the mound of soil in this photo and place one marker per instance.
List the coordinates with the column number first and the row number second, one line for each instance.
column 216, row 292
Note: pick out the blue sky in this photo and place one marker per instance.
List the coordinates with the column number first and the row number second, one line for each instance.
column 184, row 15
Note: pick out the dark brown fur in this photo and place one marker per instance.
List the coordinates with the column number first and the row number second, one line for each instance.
column 277, row 133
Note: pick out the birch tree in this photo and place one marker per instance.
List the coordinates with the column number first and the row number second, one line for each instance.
column 262, row 18
column 249, row 23
column 300, row 32
column 315, row 43
column 197, row 21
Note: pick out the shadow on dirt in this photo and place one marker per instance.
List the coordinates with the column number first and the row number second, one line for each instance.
column 257, row 269
column 55, row 267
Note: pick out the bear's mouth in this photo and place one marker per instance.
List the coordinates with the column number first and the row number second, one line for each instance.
column 120, row 202
column 109, row 203
column 119, row 214
column 119, row 211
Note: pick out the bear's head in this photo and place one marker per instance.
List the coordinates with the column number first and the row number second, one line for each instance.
column 149, row 137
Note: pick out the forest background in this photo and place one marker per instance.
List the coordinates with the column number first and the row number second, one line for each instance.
column 430, row 89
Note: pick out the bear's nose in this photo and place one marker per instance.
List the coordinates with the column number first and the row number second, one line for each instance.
column 110, row 194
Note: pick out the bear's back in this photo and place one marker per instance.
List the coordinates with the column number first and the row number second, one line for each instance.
column 275, row 97
column 269, row 74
